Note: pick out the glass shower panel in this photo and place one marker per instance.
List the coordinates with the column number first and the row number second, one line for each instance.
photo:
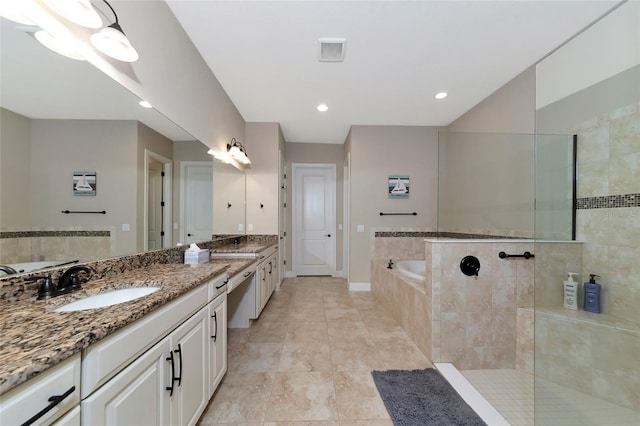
column 554, row 189
column 486, row 184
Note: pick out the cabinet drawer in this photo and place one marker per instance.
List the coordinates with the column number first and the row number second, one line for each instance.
column 104, row 359
column 218, row 285
column 20, row 404
column 240, row 277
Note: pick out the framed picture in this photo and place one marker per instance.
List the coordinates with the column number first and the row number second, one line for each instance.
column 84, row 183
column 398, row 186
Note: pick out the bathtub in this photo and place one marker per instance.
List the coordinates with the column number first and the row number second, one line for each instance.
column 34, row 266
column 412, row 268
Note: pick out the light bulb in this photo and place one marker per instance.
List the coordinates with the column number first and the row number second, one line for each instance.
column 57, row 45
column 112, row 42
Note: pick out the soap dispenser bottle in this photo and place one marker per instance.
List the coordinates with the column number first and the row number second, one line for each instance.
column 592, row 294
column 570, row 288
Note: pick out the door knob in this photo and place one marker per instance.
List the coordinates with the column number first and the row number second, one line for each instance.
column 328, row 235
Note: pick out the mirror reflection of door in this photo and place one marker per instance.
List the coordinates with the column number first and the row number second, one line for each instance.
column 198, row 201
column 155, row 203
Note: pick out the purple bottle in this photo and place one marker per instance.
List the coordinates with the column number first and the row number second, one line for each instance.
column 592, row 295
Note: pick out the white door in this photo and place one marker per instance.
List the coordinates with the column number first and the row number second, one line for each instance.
column 198, row 202
column 154, row 211
column 314, row 219
column 282, row 200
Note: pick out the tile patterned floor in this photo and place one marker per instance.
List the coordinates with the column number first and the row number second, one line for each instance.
column 308, row 360
column 511, row 392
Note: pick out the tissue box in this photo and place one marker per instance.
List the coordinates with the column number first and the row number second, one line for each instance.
column 193, row 257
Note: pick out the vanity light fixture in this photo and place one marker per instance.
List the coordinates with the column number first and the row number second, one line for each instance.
column 112, row 42
column 441, row 95
column 222, row 156
column 322, row 108
column 59, row 46
column 238, row 152
column 145, row 104
column 80, row 12
column 14, row 11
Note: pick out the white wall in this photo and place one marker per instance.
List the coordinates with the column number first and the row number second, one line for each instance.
column 610, row 46
column 172, row 75
column 61, row 147
column 262, row 144
column 376, row 153
column 15, row 179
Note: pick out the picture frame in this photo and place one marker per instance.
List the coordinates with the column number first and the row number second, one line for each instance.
column 398, row 186
column 84, row 183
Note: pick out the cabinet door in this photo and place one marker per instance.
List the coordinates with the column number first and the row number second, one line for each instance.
column 135, row 396
column 189, row 344
column 217, row 342
column 72, row 418
column 261, row 288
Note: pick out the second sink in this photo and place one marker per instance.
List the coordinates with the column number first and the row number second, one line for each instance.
column 107, row 299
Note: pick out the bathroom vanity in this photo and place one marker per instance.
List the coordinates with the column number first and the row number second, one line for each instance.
column 165, row 351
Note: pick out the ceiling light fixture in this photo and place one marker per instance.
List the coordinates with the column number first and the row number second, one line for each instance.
column 14, row 11
column 322, row 108
column 112, row 42
column 80, row 12
column 57, row 45
column 238, row 152
column 441, row 95
column 145, row 104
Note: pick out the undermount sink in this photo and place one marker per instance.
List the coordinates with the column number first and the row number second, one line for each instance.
column 107, row 299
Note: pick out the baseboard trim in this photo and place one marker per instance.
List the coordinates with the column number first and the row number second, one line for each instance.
column 359, row 286
column 289, row 274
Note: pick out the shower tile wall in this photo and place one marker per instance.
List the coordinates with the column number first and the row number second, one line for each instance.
column 598, row 353
column 609, row 165
column 475, row 319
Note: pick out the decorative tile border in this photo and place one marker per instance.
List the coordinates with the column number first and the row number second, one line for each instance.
column 31, row 234
column 609, row 201
column 456, row 235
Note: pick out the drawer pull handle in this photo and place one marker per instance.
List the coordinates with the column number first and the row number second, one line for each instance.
column 247, row 274
column 215, row 321
column 179, row 351
column 173, row 373
column 54, row 400
column 218, row 287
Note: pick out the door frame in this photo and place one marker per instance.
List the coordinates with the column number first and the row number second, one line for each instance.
column 167, row 167
column 295, row 167
column 183, row 185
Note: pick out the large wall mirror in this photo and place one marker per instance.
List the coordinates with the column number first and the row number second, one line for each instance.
column 72, row 139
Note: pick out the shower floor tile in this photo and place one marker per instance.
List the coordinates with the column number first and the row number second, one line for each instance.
column 511, row 392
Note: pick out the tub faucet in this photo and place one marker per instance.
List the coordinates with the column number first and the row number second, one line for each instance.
column 390, row 265
column 8, row 270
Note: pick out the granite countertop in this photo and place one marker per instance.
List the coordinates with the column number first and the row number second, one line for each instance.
column 242, row 248
column 34, row 337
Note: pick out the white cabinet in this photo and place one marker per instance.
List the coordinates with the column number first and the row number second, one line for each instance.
column 266, row 277
column 45, row 398
column 217, row 311
column 169, row 383
column 189, row 345
column 138, row 395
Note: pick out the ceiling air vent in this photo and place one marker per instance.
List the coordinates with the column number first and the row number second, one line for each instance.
column 331, row 49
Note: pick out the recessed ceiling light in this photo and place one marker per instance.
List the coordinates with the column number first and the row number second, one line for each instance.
column 322, row 108
column 441, row 95
column 145, row 104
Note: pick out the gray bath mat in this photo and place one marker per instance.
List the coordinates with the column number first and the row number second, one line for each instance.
column 423, row 398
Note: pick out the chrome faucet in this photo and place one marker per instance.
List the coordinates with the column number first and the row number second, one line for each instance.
column 8, row 270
